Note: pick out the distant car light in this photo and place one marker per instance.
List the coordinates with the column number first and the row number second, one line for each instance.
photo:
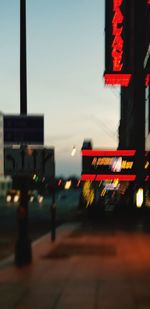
column 40, row 199
column 139, row 197
column 13, row 196
column 8, row 198
column 16, row 198
column 67, row 184
column 31, row 199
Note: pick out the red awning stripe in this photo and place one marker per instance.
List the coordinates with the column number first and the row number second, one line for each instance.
column 99, row 177
column 113, row 153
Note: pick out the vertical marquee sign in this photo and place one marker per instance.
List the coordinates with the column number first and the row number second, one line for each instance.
column 119, row 43
column 117, row 49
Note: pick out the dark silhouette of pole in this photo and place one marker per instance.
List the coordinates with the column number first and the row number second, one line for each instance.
column 139, row 95
column 23, row 66
column 23, row 253
column 53, row 215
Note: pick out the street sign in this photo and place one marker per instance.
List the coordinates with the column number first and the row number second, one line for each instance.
column 29, row 161
column 24, row 129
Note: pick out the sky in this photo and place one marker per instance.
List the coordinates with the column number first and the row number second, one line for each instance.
column 65, row 66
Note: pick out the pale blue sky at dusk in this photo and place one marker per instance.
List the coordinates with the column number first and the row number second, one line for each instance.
column 65, row 65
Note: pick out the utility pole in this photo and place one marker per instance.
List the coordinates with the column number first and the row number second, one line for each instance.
column 139, row 94
column 23, row 254
column 23, row 65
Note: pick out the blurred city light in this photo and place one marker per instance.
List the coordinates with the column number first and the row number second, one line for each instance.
column 139, row 198
column 73, row 151
column 59, row 182
column 67, row 184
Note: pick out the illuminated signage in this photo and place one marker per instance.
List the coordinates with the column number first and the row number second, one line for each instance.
column 122, row 79
column 108, row 164
column 118, row 42
column 117, row 79
column 116, row 164
column 116, row 153
column 117, row 51
column 100, row 165
column 99, row 177
column 119, row 62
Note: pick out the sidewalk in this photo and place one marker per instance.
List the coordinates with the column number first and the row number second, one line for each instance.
column 85, row 269
column 15, row 282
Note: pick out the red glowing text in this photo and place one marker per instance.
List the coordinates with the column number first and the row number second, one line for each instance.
column 117, row 28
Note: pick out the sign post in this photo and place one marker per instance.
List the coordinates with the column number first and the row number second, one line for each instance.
column 1, row 146
column 23, row 252
column 53, row 214
column 22, row 163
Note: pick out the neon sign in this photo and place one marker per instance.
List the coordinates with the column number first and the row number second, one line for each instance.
column 99, row 177
column 110, row 161
column 118, row 59
column 117, row 79
column 100, row 165
column 117, row 53
column 122, row 79
column 116, row 153
column 118, row 42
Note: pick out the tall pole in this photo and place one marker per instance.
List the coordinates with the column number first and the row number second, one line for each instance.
column 139, row 93
column 23, row 254
column 23, row 66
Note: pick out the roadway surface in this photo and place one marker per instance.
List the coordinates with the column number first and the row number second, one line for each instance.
column 39, row 219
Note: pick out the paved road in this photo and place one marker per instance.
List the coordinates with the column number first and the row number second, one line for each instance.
column 39, row 219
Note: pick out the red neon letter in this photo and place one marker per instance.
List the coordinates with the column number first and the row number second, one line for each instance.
column 118, row 17
column 117, row 44
column 117, row 3
column 116, row 31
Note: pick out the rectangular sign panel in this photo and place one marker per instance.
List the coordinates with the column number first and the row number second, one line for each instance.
column 24, row 129
column 111, row 164
column 29, row 161
column 108, row 164
column 117, row 42
column 120, row 44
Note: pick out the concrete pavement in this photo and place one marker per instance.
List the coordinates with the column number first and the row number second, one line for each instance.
column 85, row 268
